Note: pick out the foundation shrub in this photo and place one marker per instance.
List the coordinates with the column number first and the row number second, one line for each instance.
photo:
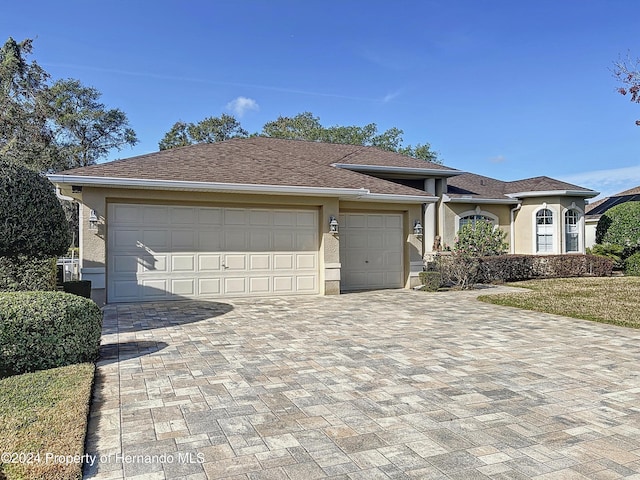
column 506, row 268
column 41, row 330
column 513, row 268
column 432, row 280
column 554, row 266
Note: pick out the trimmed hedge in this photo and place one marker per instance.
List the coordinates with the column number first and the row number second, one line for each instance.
column 27, row 273
column 509, row 268
column 40, row 330
column 513, row 268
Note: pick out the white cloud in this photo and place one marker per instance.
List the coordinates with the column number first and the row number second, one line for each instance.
column 498, row 159
column 242, row 105
column 390, row 96
column 609, row 181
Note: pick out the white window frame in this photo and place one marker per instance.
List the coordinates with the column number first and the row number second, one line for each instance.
column 554, row 224
column 579, row 226
column 476, row 212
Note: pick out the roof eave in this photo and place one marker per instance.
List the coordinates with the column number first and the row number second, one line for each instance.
column 343, row 193
column 482, row 200
column 555, row 193
column 391, row 198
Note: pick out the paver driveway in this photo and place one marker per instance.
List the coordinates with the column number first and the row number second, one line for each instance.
column 391, row 384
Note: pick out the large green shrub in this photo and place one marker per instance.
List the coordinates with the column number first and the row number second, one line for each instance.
column 632, row 265
column 473, row 243
column 33, row 221
column 620, row 225
column 27, row 273
column 40, row 330
column 480, row 240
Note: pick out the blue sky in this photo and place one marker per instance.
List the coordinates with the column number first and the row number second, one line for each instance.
column 503, row 88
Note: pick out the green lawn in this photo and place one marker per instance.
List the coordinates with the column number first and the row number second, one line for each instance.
column 614, row 300
column 43, row 414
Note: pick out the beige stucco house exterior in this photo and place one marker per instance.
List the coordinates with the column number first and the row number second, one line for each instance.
column 263, row 216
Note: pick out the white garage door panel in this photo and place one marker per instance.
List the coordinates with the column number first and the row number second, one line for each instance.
column 170, row 252
column 371, row 251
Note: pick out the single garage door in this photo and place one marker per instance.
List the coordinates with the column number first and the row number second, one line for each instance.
column 371, row 251
column 164, row 252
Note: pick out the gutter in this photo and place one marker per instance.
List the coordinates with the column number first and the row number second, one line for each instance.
column 554, row 193
column 385, row 197
column 508, row 201
column 344, row 193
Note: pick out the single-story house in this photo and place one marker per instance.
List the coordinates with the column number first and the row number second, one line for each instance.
column 263, row 216
column 595, row 210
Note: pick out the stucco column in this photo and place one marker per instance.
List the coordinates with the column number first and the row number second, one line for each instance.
column 429, row 226
column 330, row 249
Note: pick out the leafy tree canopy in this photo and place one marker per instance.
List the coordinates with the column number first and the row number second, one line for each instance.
column 51, row 127
column 304, row 126
column 85, row 130
column 25, row 135
column 209, row 130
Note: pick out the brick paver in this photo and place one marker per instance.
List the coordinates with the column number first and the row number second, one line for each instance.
column 389, row 384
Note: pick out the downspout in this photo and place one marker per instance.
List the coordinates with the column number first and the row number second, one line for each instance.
column 512, row 231
column 63, row 197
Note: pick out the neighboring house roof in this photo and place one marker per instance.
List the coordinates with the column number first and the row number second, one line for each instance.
column 596, row 209
column 262, row 161
column 472, row 187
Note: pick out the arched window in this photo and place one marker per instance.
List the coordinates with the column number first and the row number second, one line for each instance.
column 572, row 231
column 473, row 219
column 544, row 231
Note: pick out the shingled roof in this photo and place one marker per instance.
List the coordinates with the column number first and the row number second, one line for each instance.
column 264, row 161
column 480, row 187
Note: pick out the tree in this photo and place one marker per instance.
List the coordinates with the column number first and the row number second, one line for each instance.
column 25, row 133
column 627, row 73
column 53, row 127
column 305, row 126
column 85, row 130
column 178, row 136
column 209, row 130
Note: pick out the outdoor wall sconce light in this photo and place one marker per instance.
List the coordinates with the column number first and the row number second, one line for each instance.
column 93, row 220
column 417, row 229
column 333, row 225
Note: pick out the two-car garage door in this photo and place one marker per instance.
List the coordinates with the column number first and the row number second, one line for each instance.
column 160, row 252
